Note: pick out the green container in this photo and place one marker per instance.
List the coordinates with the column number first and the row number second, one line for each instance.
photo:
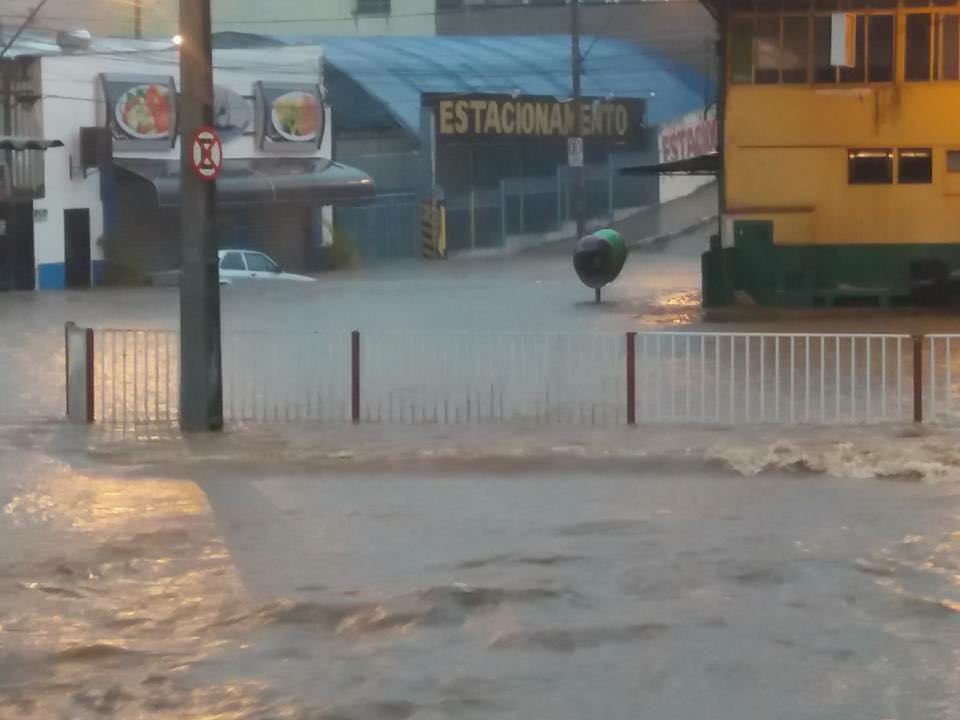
column 619, row 247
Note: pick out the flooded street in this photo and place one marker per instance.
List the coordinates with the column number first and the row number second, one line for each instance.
column 390, row 572
column 254, row 576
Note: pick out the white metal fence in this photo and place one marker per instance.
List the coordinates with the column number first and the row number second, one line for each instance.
column 584, row 379
column 136, row 376
column 942, row 394
column 768, row 377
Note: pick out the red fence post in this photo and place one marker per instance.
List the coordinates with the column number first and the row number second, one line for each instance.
column 355, row 373
column 90, row 388
column 631, row 378
column 918, row 378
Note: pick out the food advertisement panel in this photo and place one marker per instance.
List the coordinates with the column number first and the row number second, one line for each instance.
column 288, row 116
column 141, row 110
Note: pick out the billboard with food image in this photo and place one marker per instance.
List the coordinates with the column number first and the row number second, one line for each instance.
column 141, row 110
column 288, row 116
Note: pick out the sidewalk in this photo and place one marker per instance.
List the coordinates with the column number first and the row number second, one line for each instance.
column 651, row 227
column 656, row 225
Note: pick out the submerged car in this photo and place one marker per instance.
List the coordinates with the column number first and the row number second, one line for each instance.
column 239, row 267
column 243, row 265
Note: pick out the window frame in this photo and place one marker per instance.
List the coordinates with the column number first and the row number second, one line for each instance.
column 900, row 155
column 890, row 154
column 811, row 14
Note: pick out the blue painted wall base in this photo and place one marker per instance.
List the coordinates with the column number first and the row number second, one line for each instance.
column 51, row 276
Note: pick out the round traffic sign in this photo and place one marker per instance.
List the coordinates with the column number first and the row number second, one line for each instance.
column 207, row 153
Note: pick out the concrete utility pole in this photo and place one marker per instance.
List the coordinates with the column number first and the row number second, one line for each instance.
column 576, row 63
column 138, row 18
column 201, row 380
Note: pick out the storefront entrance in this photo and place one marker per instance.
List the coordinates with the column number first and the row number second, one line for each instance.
column 16, row 246
column 76, row 247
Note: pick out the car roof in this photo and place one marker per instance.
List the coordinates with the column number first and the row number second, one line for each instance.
column 224, row 251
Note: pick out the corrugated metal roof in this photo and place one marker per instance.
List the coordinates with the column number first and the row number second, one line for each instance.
column 396, row 70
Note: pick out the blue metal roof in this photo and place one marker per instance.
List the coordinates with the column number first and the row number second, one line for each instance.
column 396, row 70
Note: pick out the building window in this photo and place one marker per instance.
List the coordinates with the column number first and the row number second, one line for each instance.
column 796, row 49
column 953, row 161
column 741, row 50
column 857, row 73
column 917, row 50
column 373, row 7
column 767, row 50
column 772, row 48
column 915, row 166
column 949, row 27
column 823, row 71
column 880, row 50
column 870, row 166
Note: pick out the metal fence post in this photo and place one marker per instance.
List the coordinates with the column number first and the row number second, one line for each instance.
column 631, row 378
column 355, row 375
column 918, row 378
column 610, row 176
column 523, row 208
column 79, row 373
column 503, row 210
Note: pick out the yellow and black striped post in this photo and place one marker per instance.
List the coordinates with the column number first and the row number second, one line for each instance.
column 433, row 231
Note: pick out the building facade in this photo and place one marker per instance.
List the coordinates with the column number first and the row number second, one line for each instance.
column 840, row 182
column 108, row 211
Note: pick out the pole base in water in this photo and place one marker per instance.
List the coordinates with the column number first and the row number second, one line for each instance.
column 597, row 291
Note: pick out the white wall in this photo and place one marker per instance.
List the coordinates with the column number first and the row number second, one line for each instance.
column 686, row 137
column 66, row 107
column 70, row 101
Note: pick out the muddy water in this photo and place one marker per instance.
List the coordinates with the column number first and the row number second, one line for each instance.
column 172, row 581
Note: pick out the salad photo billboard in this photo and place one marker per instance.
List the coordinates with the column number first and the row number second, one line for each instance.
column 141, row 110
column 289, row 116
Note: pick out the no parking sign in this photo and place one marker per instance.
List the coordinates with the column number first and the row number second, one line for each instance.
column 207, row 154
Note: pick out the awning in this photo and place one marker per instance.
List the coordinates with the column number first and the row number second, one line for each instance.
column 14, row 142
column 700, row 165
column 311, row 181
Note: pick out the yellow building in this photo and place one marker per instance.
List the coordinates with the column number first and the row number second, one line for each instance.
column 839, row 184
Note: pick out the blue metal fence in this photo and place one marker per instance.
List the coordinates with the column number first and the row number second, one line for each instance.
column 386, row 228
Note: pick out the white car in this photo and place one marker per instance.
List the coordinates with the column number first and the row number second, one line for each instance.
column 240, row 266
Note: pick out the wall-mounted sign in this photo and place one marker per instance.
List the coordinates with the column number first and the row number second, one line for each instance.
column 141, row 110
column 691, row 136
column 534, row 116
column 288, row 116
